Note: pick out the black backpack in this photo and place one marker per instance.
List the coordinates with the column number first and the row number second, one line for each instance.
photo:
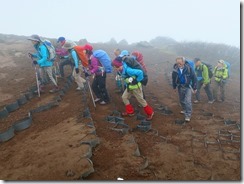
column 131, row 62
column 210, row 69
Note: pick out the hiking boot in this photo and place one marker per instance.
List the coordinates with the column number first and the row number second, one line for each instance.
column 211, row 102
column 127, row 114
column 149, row 117
column 187, row 119
column 97, row 100
column 103, row 103
column 54, row 90
column 182, row 112
column 196, row 102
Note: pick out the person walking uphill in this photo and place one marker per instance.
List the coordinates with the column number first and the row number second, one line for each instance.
column 220, row 76
column 184, row 78
column 44, row 63
column 64, row 56
column 97, row 67
column 77, row 71
column 203, row 80
column 132, row 78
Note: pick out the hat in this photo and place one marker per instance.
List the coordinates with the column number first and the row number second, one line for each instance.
column 69, row 45
column 117, row 63
column 88, row 47
column 221, row 61
column 124, row 53
column 35, row 38
column 61, row 39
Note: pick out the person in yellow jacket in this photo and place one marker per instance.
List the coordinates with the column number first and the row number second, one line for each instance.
column 220, row 74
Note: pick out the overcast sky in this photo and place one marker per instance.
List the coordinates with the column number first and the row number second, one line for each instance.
column 215, row 21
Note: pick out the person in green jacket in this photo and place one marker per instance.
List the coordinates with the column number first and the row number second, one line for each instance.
column 220, row 76
column 203, row 80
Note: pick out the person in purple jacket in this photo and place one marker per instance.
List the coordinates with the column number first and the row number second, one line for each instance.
column 99, row 82
column 64, row 56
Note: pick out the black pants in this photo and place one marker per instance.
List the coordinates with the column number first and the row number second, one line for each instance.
column 99, row 87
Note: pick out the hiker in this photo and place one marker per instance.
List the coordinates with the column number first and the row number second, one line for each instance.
column 203, row 80
column 63, row 56
column 220, row 77
column 132, row 78
column 184, row 78
column 117, row 53
column 98, row 70
column 43, row 62
column 118, row 78
column 78, row 68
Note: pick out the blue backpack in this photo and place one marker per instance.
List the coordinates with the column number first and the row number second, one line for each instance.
column 192, row 64
column 228, row 67
column 104, row 59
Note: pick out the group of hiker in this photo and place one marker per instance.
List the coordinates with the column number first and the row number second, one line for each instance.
column 131, row 74
column 190, row 76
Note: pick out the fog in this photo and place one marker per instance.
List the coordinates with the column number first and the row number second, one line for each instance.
column 215, row 21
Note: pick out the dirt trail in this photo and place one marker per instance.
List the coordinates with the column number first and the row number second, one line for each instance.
column 204, row 149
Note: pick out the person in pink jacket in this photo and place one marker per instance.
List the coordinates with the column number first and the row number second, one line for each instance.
column 99, row 82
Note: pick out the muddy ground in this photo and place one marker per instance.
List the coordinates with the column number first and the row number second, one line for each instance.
column 203, row 149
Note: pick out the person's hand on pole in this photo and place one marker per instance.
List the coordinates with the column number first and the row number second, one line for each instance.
column 35, row 62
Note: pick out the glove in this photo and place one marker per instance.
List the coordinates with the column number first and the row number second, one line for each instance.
column 134, row 82
column 204, row 85
column 223, row 81
column 87, row 74
column 89, row 61
column 77, row 70
column 30, row 55
column 61, row 57
column 35, row 62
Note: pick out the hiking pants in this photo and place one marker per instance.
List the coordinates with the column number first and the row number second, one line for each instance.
column 185, row 100
column 63, row 63
column 207, row 91
column 45, row 73
column 137, row 93
column 99, row 87
column 216, row 87
column 78, row 79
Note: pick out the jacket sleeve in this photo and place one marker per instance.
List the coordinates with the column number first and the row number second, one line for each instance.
column 205, row 74
column 75, row 58
column 225, row 73
column 94, row 65
column 44, row 54
column 135, row 72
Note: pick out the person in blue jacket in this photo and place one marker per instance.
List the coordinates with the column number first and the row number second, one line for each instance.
column 78, row 68
column 41, row 59
column 132, row 78
column 185, row 80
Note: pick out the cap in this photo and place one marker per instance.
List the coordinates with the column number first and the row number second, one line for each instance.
column 35, row 38
column 69, row 45
column 221, row 61
column 61, row 39
column 124, row 53
column 88, row 47
column 197, row 59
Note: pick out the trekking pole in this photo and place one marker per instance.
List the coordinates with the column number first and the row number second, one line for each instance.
column 88, row 83
column 37, row 83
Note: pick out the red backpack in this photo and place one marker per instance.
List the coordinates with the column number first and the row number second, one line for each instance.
column 82, row 56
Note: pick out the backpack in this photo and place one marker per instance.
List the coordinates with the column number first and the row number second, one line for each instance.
column 192, row 64
column 104, row 59
column 51, row 50
column 81, row 55
column 131, row 62
column 228, row 67
column 210, row 69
